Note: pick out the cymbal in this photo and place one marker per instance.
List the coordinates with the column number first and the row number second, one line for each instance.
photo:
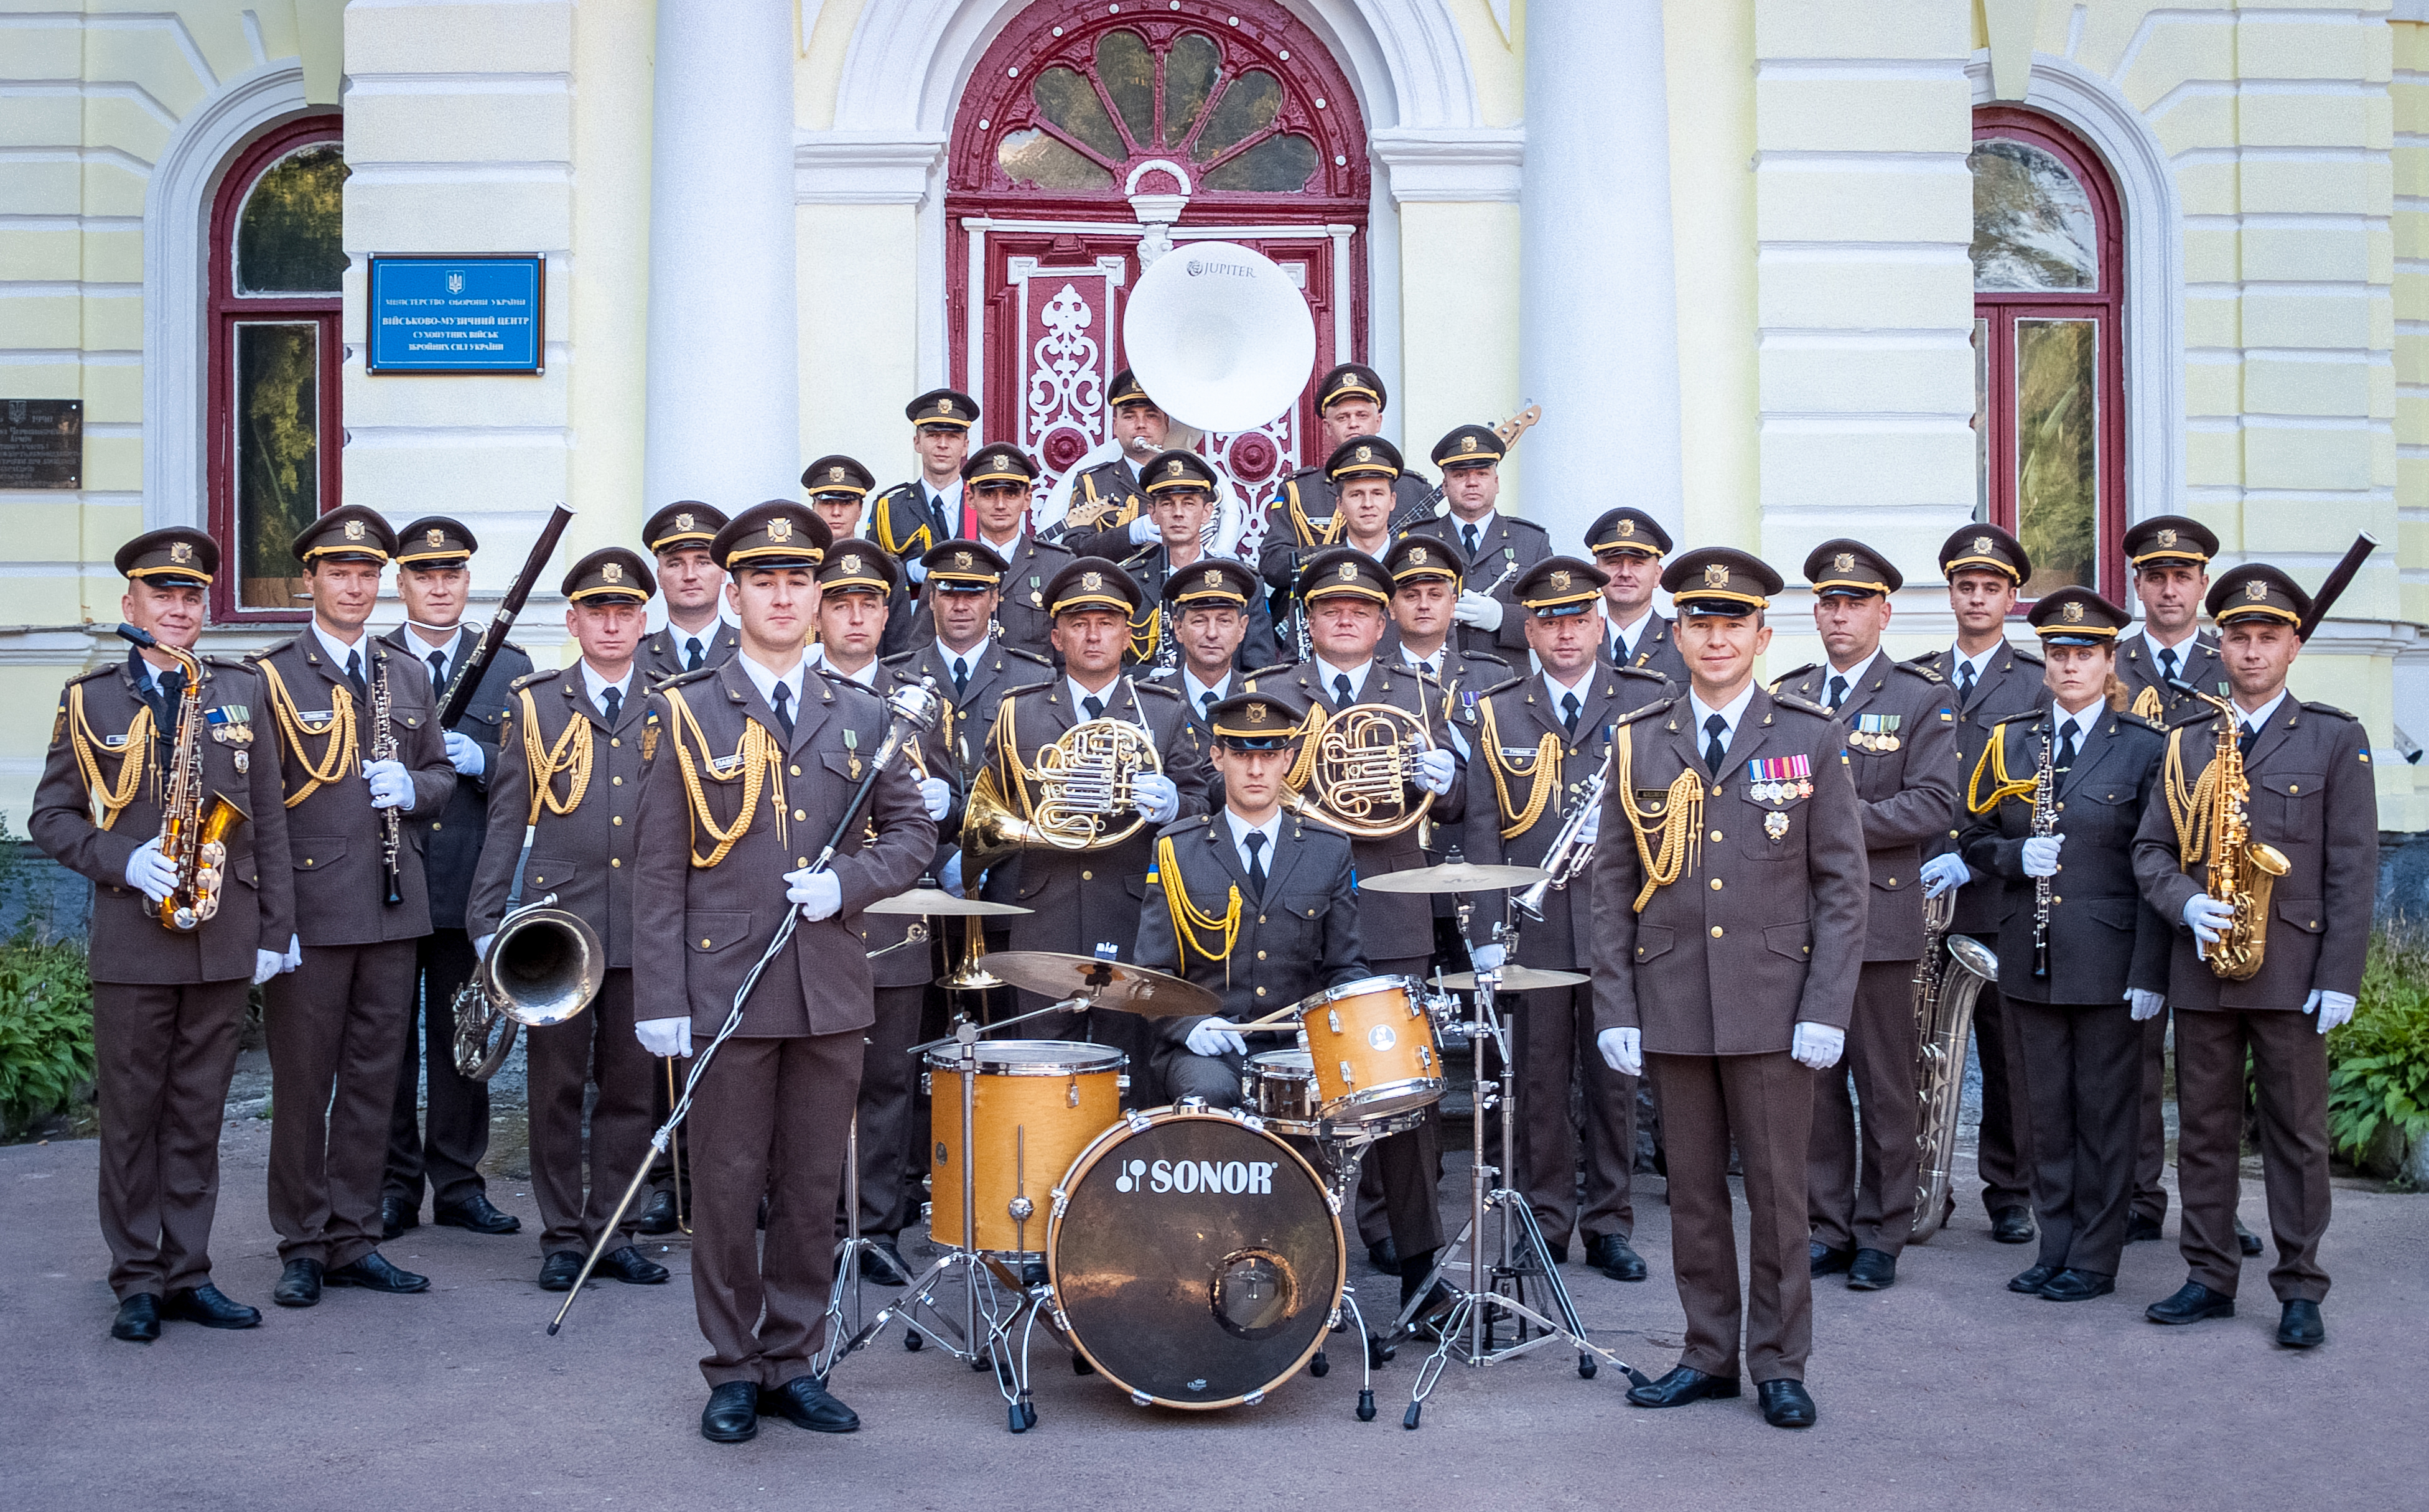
column 1150, row 994
column 1517, row 979
column 1455, row 876
column 938, row 900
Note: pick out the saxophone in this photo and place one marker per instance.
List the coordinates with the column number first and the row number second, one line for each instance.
column 2214, row 823
column 384, row 748
column 193, row 839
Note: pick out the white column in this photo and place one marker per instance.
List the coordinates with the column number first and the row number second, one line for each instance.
column 724, row 422
column 1598, row 299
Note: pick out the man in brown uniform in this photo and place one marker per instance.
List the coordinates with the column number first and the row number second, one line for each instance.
column 697, row 633
column 1495, row 546
column 1902, row 744
column 1109, row 500
column 2312, row 797
column 337, row 1022
column 996, row 482
column 1728, row 934
column 774, row 1109
column 166, row 1002
column 564, row 818
column 1628, row 545
column 1301, row 515
column 1180, row 490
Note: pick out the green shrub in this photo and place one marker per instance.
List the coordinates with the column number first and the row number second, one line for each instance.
column 46, row 1059
column 2378, row 1065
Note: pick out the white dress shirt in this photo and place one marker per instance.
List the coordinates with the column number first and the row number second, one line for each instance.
column 2184, row 650
column 2081, row 721
column 1240, row 829
column 1855, row 674
column 2259, row 719
column 1482, row 524
column 1625, row 637
column 1431, row 666
column 1959, row 661
column 1729, row 715
column 765, row 681
column 1106, row 698
column 1197, row 691
column 598, row 685
column 423, row 651
column 1326, row 672
column 947, row 656
column 337, row 649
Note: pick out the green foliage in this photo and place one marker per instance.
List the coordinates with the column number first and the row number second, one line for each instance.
column 46, row 1059
column 2378, row 1065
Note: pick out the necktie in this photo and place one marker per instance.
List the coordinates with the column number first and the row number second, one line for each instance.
column 1206, row 704
column 2167, row 664
column 170, row 688
column 961, row 676
column 611, row 705
column 1468, row 534
column 1716, row 743
column 1342, row 693
column 354, row 672
column 1094, row 705
column 1569, row 713
column 2064, row 760
column 1255, row 841
column 1965, row 683
column 693, row 654
column 783, row 700
column 1838, row 693
column 438, row 672
column 2250, row 734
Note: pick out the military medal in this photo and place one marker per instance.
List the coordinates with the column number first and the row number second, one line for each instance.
column 851, row 743
column 1775, row 822
column 1778, row 779
column 1876, row 733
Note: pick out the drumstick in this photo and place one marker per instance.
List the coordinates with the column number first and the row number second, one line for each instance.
column 1270, row 1020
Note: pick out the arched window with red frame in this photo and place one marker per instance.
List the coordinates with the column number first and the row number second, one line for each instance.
column 277, row 258
column 2049, row 361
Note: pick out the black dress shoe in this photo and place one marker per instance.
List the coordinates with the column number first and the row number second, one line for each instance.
column 2299, row 1327
column 1681, row 1387
column 397, row 1215
column 2245, row 1239
column 2078, row 1286
column 139, row 1319
column 2139, row 1229
column 1558, row 1253
column 1786, row 1404
column 630, row 1265
column 882, row 1263
column 1384, row 1255
column 478, row 1214
column 1827, row 1261
column 2192, row 1303
column 2030, row 1282
column 1872, row 1271
column 1610, row 1254
column 299, row 1284
column 804, row 1403
column 209, row 1306
column 732, row 1416
column 373, row 1273
column 2012, row 1225
column 557, row 1271
column 659, row 1216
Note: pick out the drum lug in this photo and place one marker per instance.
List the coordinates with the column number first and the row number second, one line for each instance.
column 1349, row 1077
column 1061, row 1202
column 1140, row 1398
column 1071, row 1093
column 1332, row 1020
column 1138, row 1120
column 1252, row 1119
column 1425, row 1057
column 1121, row 1083
column 927, row 1084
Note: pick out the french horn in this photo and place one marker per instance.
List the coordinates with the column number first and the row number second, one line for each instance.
column 1075, row 799
column 1355, row 768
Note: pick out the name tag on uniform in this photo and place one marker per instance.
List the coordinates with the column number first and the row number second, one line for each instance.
column 1876, row 733
column 1777, row 779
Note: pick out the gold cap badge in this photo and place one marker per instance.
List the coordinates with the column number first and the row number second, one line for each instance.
column 1092, row 581
column 1416, row 556
column 1256, row 713
column 1349, row 571
column 851, row 564
column 682, row 520
column 1213, row 577
column 1981, row 545
column 180, row 551
column 780, row 530
column 1843, row 562
column 834, row 473
column 2256, row 590
column 2168, row 537
column 944, row 407
column 611, row 571
column 434, row 537
column 2072, row 614
column 1626, row 528
column 1716, row 575
column 1559, row 580
column 962, row 560
column 1176, row 467
column 1467, row 444
column 1365, row 453
column 354, row 530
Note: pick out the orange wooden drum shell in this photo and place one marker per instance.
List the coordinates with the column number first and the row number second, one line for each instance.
column 1027, row 1130
column 1388, row 1040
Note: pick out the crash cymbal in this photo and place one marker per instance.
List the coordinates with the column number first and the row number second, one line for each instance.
column 1517, row 979
column 936, row 901
column 1149, row 994
column 1454, row 876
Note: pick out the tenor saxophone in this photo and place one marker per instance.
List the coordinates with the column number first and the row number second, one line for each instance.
column 384, row 749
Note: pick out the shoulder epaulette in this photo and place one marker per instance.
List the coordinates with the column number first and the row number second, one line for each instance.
column 1527, row 525
column 2031, row 654
column 681, row 678
column 1924, row 661
column 533, row 679
column 1660, row 705
column 1647, row 673
column 2331, row 708
column 1791, row 675
column 902, row 658
column 101, row 670
column 1503, row 686
column 2027, row 717
column 838, row 679
column 1803, row 705
column 1138, row 557
column 1276, row 669
column 1021, row 655
column 2133, row 721
column 1173, row 693
column 1182, row 827
column 1926, row 674
column 1480, row 658
column 1026, row 689
column 217, row 658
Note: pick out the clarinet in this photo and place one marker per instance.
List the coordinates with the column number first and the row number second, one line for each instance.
column 2044, row 823
column 384, row 749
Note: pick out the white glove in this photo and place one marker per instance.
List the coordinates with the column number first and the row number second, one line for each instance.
column 149, row 873
column 391, row 787
column 1143, row 530
column 295, row 957
column 951, row 878
column 1215, row 1036
column 1481, row 610
column 2147, row 1003
column 2334, row 1009
column 1942, row 872
column 2041, row 854
column 915, row 569
column 1435, row 769
column 266, row 963
column 1156, row 797
column 1622, row 1050
column 820, row 894
column 2207, row 917
column 936, row 795
column 664, row 1037
column 464, row 754
column 481, row 946
column 1487, row 957
column 1817, row 1045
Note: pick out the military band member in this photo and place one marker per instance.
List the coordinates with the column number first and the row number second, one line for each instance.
column 1300, row 515
column 697, row 633
column 1180, row 490
column 167, row 1003
column 909, row 518
column 2102, row 961
column 1728, row 935
column 337, row 1022
column 838, row 490
column 1629, row 544
column 1902, row 743
column 1541, row 742
column 972, row 669
column 998, row 480
column 2312, row 797
column 1109, row 501
column 1210, row 608
column 1490, row 542
column 434, row 578
column 1424, row 575
column 774, row 1110
column 1989, row 680
column 564, row 819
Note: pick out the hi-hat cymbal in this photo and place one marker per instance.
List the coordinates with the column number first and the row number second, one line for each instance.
column 1517, row 979
column 1454, row 876
column 938, row 900
column 1150, row 994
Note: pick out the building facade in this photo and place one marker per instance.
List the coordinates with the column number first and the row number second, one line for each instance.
column 1777, row 271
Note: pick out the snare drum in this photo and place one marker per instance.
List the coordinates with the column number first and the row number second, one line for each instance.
column 1034, row 1105
column 1372, row 1044
column 1278, row 1086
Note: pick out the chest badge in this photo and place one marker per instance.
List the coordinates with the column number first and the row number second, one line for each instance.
column 1775, row 823
column 1778, row 779
column 1876, row 733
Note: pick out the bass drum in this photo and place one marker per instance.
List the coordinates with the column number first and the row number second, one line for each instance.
column 1196, row 1261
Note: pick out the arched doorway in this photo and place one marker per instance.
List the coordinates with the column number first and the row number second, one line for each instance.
column 1086, row 144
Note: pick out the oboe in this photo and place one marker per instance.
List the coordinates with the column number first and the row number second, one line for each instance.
column 2044, row 823
column 384, row 749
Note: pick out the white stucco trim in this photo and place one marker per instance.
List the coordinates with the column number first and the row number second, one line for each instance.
column 2154, row 268
column 1457, row 164
column 865, row 167
column 176, row 283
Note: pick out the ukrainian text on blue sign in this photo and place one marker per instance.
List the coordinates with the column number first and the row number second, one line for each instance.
column 456, row 314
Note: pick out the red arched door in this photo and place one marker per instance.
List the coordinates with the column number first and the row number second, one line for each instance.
column 1089, row 142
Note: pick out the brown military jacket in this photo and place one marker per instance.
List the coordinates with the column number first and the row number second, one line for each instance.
column 1901, row 723
column 1307, row 495
column 2314, row 798
column 2010, row 684
column 2138, row 670
column 1104, row 499
column 911, row 964
column 333, row 835
column 257, row 897
column 1657, row 650
column 662, row 655
column 1021, row 621
column 1150, row 568
column 1507, row 543
column 703, row 927
column 1766, row 929
column 585, row 857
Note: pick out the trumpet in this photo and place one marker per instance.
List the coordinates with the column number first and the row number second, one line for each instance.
column 1084, row 781
column 1571, row 851
column 1355, row 770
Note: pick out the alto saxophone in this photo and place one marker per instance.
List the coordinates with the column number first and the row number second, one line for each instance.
column 384, row 749
column 193, row 839
column 2214, row 823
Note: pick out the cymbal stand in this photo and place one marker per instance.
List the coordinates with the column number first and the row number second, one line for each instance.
column 1499, row 1289
column 1344, row 1154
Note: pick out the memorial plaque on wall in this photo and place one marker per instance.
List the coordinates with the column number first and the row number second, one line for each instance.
column 468, row 313
column 41, row 444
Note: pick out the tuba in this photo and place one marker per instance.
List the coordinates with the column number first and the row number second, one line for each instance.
column 544, row 966
column 1355, row 768
column 2214, row 822
column 194, row 837
column 1943, row 1011
column 1083, row 792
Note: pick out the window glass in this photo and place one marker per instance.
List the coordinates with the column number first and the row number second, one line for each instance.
column 2033, row 227
column 277, row 422
column 1247, row 108
column 1069, row 101
column 2057, row 450
column 1036, row 161
column 287, row 239
column 1189, row 73
column 1280, row 163
column 1127, row 70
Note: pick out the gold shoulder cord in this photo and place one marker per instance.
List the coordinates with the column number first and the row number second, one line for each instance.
column 1188, row 920
column 1680, row 823
column 1544, row 768
column 571, row 755
column 2188, row 807
column 338, row 757
column 1329, row 536
column 2149, row 705
column 1995, row 759
column 1303, row 767
column 756, row 763
column 113, row 796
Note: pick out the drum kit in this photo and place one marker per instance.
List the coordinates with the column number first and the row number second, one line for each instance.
column 1191, row 1256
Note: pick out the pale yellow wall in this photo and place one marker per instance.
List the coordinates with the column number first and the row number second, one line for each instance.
column 1458, row 322
column 1711, row 50
column 607, row 324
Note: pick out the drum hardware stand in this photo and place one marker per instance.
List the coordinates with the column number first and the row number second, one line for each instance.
column 1345, row 1154
column 1470, row 1324
column 675, row 1158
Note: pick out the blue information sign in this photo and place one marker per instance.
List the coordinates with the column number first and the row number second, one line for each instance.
column 472, row 313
